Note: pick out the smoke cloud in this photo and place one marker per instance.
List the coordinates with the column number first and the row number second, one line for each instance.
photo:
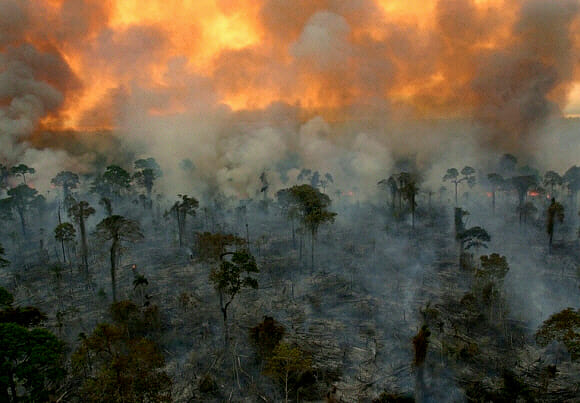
column 243, row 87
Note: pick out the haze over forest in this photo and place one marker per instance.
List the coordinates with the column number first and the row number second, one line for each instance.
column 397, row 179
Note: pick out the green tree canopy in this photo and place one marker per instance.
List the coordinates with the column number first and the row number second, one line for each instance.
column 233, row 275
column 31, row 363
column 563, row 326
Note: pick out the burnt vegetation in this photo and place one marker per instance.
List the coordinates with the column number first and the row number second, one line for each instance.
column 113, row 291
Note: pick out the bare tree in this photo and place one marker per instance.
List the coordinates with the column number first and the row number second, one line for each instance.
column 118, row 229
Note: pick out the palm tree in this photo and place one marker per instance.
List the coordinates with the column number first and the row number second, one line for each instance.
column 118, row 229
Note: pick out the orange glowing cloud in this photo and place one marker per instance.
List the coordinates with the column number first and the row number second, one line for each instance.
column 505, row 64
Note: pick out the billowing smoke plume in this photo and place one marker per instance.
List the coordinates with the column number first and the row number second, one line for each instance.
column 240, row 88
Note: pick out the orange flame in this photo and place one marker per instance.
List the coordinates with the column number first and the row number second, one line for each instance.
column 157, row 57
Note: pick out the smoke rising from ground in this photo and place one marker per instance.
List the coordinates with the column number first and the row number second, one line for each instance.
column 340, row 87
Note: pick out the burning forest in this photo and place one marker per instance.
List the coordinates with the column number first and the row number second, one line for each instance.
column 370, row 200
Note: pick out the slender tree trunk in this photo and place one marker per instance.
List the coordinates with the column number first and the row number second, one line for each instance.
column 413, row 211
column 84, row 247
column 293, row 235
column 300, row 253
column 63, row 254
column 286, row 386
column 456, row 193
column 179, row 228
column 224, row 309
column 13, row 388
column 493, row 201
column 312, row 251
column 114, row 267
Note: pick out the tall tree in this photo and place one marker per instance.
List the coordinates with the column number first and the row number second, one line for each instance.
column 112, row 183
column 264, row 185
column 313, row 208
column 496, row 181
column 67, row 180
column 180, row 210
column 230, row 277
column 392, row 186
column 22, row 197
column 522, row 184
column 64, row 233
column 552, row 180
column 118, row 229
column 555, row 210
column 22, row 170
column 467, row 175
column 80, row 212
column 290, row 210
column 572, row 180
column 409, row 190
column 147, row 171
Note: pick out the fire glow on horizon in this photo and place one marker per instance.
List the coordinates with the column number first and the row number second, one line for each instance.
column 434, row 58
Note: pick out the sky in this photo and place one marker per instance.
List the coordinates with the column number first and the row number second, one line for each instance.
column 335, row 85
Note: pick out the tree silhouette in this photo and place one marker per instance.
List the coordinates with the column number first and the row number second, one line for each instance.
column 180, row 210
column 467, row 175
column 521, row 184
column 420, row 346
column 496, row 181
column 290, row 209
column 4, row 175
column 80, row 212
column 572, row 180
column 67, row 180
column 112, row 183
column 64, row 233
column 409, row 190
column 3, row 262
column 118, row 229
column 147, row 172
column 391, row 185
column 555, row 210
column 312, row 206
column 21, row 199
column 22, row 170
column 552, row 180
column 230, row 277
